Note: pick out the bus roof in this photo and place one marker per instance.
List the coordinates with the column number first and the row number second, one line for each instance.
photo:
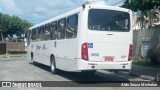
column 77, row 10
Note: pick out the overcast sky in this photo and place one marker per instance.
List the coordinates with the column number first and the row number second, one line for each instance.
column 36, row 11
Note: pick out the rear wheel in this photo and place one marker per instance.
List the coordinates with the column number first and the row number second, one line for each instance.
column 32, row 58
column 32, row 61
column 53, row 65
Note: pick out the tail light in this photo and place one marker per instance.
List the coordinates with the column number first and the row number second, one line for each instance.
column 84, row 51
column 130, row 52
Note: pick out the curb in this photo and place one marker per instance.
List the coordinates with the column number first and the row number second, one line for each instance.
column 145, row 77
column 12, row 56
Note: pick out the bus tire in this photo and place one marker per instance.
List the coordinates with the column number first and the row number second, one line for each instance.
column 53, row 65
column 32, row 60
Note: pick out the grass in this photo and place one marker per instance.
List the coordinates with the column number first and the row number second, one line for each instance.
column 146, row 63
column 11, row 55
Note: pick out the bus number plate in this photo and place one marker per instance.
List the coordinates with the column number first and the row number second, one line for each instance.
column 109, row 59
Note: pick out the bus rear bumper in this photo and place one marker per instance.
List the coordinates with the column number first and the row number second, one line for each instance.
column 115, row 66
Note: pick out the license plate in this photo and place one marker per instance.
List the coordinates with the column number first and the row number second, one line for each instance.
column 109, row 58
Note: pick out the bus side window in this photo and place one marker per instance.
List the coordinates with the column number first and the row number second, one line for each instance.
column 37, row 34
column 61, row 29
column 72, row 23
column 41, row 35
column 33, row 37
column 47, row 32
column 53, row 34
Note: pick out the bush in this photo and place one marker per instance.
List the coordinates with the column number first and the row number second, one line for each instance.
column 153, row 54
column 146, row 63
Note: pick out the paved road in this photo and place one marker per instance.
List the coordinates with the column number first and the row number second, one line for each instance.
column 20, row 69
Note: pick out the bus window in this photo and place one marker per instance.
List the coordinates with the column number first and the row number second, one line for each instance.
column 53, row 31
column 37, row 34
column 41, row 37
column 108, row 20
column 33, row 37
column 61, row 29
column 47, row 32
column 71, row 30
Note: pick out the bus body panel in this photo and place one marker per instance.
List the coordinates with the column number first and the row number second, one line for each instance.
column 43, row 50
column 85, row 65
column 108, row 44
column 119, row 52
column 65, row 54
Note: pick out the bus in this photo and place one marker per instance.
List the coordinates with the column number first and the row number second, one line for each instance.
column 88, row 38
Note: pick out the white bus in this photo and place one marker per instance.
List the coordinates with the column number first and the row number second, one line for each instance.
column 88, row 38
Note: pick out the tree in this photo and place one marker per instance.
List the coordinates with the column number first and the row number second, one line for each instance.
column 13, row 25
column 147, row 18
column 141, row 5
column 152, row 15
column 141, row 20
column 150, row 10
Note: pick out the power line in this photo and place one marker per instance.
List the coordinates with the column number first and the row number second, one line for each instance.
column 76, row 2
column 86, row 1
column 36, row 19
column 117, row 3
column 45, row 11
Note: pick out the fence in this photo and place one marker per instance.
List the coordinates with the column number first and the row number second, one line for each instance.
column 144, row 39
column 6, row 47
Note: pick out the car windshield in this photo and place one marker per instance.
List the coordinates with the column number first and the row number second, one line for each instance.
column 108, row 20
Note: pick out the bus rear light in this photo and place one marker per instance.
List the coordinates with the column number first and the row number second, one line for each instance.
column 84, row 51
column 130, row 52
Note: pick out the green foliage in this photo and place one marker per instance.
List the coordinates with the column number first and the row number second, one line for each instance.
column 148, row 17
column 145, row 63
column 153, row 54
column 141, row 5
column 152, row 14
column 149, row 9
column 142, row 20
column 13, row 24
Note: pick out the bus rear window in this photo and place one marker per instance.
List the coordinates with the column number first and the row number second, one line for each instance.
column 108, row 20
